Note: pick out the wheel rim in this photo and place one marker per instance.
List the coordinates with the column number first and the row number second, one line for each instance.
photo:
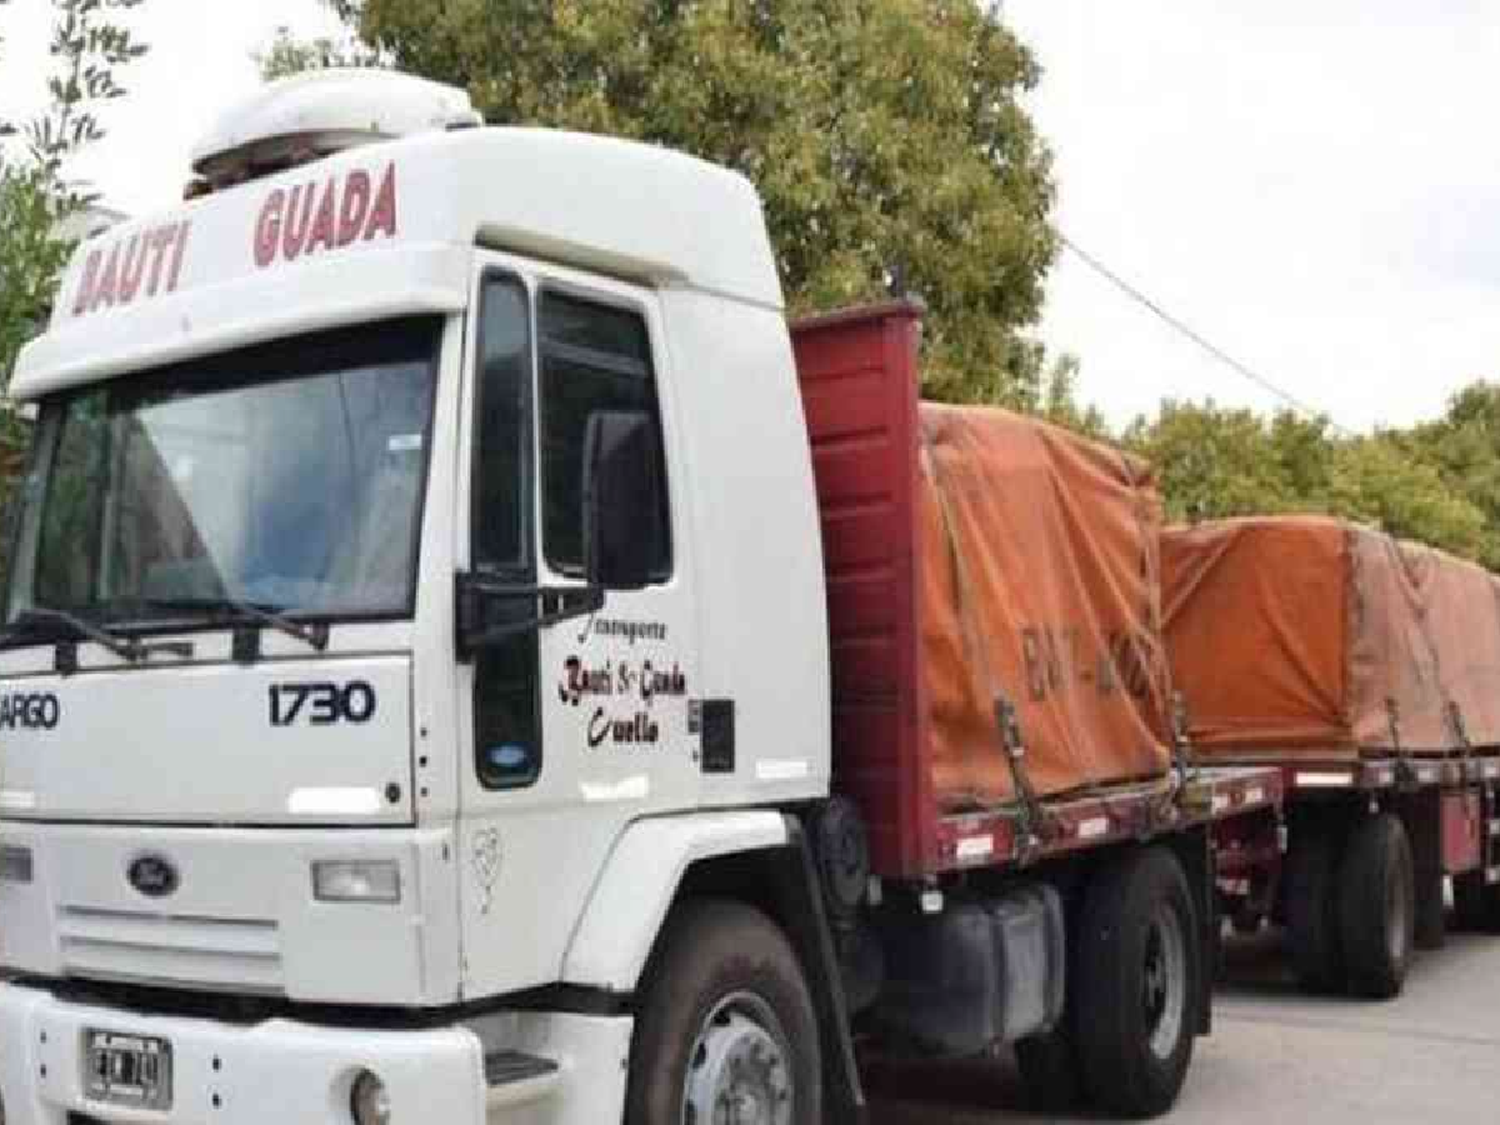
column 739, row 1071
column 1165, row 981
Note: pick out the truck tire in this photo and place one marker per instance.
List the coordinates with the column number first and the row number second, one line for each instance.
column 1139, row 979
column 1377, row 907
column 1311, row 914
column 1049, row 1070
column 1476, row 904
column 724, row 1019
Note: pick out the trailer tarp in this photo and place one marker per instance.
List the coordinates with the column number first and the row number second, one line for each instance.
column 1306, row 637
column 1462, row 617
column 1039, row 582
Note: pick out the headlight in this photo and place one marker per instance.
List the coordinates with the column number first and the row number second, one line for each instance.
column 357, row 880
column 15, row 867
column 369, row 1103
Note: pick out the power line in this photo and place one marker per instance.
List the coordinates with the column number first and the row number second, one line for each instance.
column 1135, row 294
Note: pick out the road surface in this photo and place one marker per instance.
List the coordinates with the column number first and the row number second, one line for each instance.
column 1277, row 1057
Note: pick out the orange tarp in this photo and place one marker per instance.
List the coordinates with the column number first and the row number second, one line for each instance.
column 1462, row 614
column 1039, row 563
column 1307, row 637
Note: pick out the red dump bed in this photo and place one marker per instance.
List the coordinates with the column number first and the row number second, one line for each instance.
column 974, row 553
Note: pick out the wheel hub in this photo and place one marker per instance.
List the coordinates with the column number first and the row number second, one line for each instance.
column 738, row 1072
column 1164, row 982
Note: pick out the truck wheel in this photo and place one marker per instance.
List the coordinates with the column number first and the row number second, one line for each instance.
column 1377, row 907
column 1476, row 904
column 1311, row 916
column 1049, row 1070
column 1139, row 984
column 725, row 1030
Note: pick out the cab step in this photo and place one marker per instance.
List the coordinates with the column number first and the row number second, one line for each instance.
column 505, row 1067
column 516, row 1078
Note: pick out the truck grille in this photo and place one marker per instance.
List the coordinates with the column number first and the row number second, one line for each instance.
column 239, row 954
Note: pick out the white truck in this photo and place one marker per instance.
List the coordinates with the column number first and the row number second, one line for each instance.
column 415, row 691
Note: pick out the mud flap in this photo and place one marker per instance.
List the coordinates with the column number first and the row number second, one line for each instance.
column 1195, row 852
column 807, row 927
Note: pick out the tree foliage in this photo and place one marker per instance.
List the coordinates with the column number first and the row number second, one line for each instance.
column 1378, row 481
column 1215, row 462
column 1438, row 482
column 1464, row 447
column 31, row 257
column 886, row 137
column 90, row 45
column 286, row 54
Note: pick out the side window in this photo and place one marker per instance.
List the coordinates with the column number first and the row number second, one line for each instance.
column 507, row 720
column 593, row 357
column 502, row 439
column 70, row 531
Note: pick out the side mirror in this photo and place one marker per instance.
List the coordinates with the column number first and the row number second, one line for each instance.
column 623, row 532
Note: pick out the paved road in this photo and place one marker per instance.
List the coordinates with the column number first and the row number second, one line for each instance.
column 1280, row 1058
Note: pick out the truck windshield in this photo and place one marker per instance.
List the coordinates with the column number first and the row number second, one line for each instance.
column 289, row 476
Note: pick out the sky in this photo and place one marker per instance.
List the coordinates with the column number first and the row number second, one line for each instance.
column 1304, row 182
column 201, row 61
column 1314, row 185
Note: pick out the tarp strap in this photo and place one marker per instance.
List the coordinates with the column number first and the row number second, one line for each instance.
column 1406, row 776
column 1007, row 724
column 1182, row 740
column 1460, row 729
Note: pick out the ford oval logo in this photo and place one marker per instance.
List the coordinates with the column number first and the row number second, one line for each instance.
column 153, row 875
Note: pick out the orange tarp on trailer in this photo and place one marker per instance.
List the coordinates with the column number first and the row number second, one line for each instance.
column 1462, row 614
column 1307, row 637
column 1039, row 582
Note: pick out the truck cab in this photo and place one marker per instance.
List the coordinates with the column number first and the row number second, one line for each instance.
column 466, row 657
column 417, row 577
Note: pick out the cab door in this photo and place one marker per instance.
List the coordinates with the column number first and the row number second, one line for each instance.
column 583, row 723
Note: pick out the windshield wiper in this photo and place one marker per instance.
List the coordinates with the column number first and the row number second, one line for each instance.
column 127, row 648
column 314, row 633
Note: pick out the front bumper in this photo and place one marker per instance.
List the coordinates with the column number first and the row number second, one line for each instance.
column 296, row 1073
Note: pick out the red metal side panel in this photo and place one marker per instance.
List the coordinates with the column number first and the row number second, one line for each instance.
column 858, row 374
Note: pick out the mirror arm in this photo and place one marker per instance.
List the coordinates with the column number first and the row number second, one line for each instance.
column 569, row 602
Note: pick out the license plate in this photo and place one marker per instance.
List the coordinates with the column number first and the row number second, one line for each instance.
column 130, row 1070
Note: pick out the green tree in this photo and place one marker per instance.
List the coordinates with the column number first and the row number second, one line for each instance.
column 1377, row 480
column 1465, row 446
column 1436, row 483
column 1059, row 401
column 886, row 137
column 1214, row 461
column 31, row 257
column 286, row 55
column 89, row 46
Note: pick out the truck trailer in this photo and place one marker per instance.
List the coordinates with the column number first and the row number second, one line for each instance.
column 467, row 658
column 1366, row 670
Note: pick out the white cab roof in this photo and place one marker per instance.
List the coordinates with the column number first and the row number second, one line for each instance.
column 388, row 228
